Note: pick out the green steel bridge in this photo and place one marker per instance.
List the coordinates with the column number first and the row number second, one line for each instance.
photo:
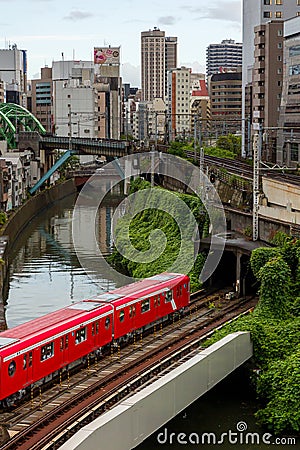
column 14, row 118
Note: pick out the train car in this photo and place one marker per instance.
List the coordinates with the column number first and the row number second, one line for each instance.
column 32, row 353
column 35, row 350
column 145, row 302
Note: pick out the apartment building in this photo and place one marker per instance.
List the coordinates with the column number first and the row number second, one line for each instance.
column 226, row 101
column 13, row 71
column 200, row 104
column 288, row 145
column 226, row 55
column 158, row 56
column 267, row 83
column 179, row 113
column 41, row 98
column 258, row 12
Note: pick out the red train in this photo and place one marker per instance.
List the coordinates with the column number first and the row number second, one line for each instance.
column 32, row 353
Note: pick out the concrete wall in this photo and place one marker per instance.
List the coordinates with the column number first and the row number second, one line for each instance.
column 134, row 419
column 35, row 205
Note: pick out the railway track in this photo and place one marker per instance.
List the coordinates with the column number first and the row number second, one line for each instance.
column 109, row 382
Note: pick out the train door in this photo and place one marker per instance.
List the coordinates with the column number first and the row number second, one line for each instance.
column 28, row 366
column 94, row 335
column 156, row 304
column 64, row 350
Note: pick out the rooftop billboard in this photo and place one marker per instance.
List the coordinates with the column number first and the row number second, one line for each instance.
column 107, row 55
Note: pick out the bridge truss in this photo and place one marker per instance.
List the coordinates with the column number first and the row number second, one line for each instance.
column 15, row 118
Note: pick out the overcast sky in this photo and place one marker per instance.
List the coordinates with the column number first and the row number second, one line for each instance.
column 48, row 28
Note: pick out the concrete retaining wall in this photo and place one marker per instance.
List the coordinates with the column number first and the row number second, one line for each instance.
column 133, row 420
column 34, row 206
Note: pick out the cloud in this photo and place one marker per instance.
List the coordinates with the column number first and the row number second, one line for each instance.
column 167, row 20
column 229, row 10
column 78, row 15
column 131, row 74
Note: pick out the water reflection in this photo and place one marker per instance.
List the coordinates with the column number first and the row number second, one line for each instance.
column 44, row 273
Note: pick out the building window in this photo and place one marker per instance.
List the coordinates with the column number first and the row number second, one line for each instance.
column 294, row 152
column 278, row 2
column 267, row 2
column 279, row 45
column 278, row 14
column 279, row 58
column 267, row 14
column 279, row 33
column 279, row 71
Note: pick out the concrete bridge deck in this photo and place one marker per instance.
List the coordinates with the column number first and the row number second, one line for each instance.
column 137, row 417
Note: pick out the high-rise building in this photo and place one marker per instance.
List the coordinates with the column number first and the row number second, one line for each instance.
column 267, row 83
column 226, row 101
column 227, row 55
column 179, row 97
column 288, row 145
column 41, row 98
column 13, row 71
column 158, row 56
column 258, row 12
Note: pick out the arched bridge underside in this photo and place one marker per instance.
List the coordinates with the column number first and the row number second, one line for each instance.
column 14, row 118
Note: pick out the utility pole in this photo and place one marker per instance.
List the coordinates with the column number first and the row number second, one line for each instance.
column 70, row 128
column 195, row 138
column 257, row 143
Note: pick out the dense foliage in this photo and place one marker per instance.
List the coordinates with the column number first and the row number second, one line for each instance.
column 231, row 142
column 275, row 331
column 180, row 149
column 169, row 237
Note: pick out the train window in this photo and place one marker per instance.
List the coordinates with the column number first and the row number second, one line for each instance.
column 107, row 323
column 30, row 359
column 61, row 345
column 67, row 341
column 12, row 369
column 145, row 305
column 169, row 296
column 93, row 329
column 155, row 302
column 80, row 335
column 122, row 315
column 97, row 327
column 180, row 290
column 24, row 362
column 47, row 351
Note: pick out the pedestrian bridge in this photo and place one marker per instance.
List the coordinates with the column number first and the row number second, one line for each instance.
column 140, row 415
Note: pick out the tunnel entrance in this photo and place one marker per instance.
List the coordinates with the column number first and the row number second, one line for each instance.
column 225, row 273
